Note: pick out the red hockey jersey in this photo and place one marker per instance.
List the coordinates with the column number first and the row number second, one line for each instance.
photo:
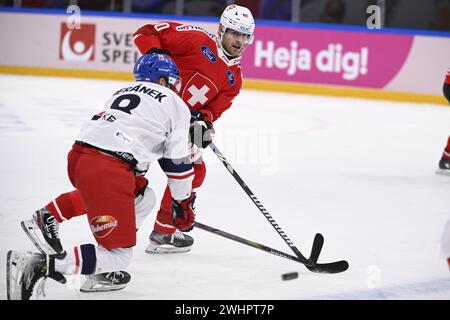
column 447, row 78
column 210, row 81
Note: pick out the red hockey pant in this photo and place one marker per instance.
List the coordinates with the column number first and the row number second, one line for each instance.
column 106, row 186
column 70, row 204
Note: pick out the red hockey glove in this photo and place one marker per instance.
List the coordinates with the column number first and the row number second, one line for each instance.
column 183, row 214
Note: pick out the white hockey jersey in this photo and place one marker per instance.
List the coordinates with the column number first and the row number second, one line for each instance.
column 148, row 122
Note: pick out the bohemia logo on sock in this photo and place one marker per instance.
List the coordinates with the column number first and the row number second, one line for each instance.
column 101, row 226
column 77, row 44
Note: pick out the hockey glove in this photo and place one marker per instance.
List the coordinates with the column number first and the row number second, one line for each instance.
column 195, row 153
column 201, row 131
column 183, row 214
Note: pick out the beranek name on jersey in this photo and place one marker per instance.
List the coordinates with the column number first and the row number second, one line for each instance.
column 157, row 95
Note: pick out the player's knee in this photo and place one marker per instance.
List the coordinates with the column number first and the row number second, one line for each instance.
column 141, row 183
column 200, row 174
column 447, row 91
column 144, row 204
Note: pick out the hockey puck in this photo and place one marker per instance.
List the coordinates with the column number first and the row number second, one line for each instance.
column 289, row 276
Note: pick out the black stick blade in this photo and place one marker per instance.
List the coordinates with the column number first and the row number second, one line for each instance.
column 317, row 247
column 332, row 267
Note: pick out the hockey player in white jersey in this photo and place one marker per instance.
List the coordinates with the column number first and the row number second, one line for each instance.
column 141, row 123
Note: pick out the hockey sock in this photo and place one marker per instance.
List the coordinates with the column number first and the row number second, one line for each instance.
column 163, row 222
column 89, row 259
column 66, row 206
column 447, row 150
column 81, row 260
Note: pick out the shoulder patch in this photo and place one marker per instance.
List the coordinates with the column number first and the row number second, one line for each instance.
column 207, row 52
column 230, row 76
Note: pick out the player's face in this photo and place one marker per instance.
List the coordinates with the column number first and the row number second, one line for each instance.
column 234, row 42
column 162, row 82
column 172, row 83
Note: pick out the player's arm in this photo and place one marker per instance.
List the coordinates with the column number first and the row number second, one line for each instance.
column 161, row 38
column 446, row 88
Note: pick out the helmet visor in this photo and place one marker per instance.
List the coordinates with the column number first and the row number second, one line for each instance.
column 175, row 83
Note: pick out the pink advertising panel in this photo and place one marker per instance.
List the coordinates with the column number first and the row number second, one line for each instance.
column 348, row 57
column 324, row 56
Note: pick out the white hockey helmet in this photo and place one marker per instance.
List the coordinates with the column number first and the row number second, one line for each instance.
column 239, row 19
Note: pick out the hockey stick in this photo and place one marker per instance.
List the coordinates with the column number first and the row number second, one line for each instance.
column 316, row 249
column 332, row 267
column 317, row 246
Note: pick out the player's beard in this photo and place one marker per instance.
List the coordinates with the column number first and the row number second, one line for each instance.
column 233, row 51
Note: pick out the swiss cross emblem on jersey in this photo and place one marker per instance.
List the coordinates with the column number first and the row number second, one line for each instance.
column 198, row 91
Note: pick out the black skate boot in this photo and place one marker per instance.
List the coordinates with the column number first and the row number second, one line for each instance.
column 169, row 243
column 25, row 270
column 107, row 281
column 49, row 241
column 444, row 167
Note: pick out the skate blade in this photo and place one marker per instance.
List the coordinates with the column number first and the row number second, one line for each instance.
column 92, row 286
column 103, row 288
column 161, row 249
column 14, row 271
column 30, row 227
column 9, row 294
column 443, row 172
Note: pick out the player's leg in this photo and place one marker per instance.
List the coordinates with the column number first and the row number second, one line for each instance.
column 43, row 227
column 112, row 216
column 165, row 238
column 28, row 271
column 145, row 200
column 112, row 221
column 67, row 206
column 444, row 163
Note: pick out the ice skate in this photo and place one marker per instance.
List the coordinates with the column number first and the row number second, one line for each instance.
column 43, row 231
column 444, row 167
column 169, row 243
column 108, row 281
column 26, row 273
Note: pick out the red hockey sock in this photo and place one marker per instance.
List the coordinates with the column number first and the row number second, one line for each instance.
column 66, row 206
column 163, row 222
column 447, row 150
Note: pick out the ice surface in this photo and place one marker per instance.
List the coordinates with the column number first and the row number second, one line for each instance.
column 361, row 172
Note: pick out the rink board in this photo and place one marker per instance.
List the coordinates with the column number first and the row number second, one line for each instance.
column 300, row 58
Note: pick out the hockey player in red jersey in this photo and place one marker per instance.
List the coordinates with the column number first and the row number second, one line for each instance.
column 141, row 123
column 211, row 72
column 444, row 163
column 444, row 168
